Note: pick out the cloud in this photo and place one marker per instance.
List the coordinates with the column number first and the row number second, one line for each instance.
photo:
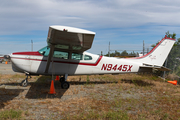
column 20, row 16
column 110, row 19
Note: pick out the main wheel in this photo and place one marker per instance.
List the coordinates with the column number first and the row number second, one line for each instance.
column 24, row 83
column 62, row 79
column 64, row 85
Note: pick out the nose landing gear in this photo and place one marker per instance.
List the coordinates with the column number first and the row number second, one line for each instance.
column 25, row 83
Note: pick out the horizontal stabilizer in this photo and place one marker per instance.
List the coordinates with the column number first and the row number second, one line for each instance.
column 161, row 68
column 149, row 68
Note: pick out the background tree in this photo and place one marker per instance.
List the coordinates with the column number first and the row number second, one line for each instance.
column 124, row 53
column 101, row 53
column 133, row 53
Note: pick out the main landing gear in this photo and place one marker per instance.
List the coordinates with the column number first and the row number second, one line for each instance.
column 24, row 83
column 64, row 83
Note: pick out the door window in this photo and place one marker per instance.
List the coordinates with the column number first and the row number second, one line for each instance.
column 76, row 56
column 60, row 54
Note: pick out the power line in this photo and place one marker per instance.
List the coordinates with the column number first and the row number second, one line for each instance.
column 126, row 50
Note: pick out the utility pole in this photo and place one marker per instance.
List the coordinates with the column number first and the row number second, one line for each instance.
column 31, row 45
column 109, row 49
column 143, row 48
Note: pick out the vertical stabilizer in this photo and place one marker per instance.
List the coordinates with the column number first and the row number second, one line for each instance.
column 158, row 54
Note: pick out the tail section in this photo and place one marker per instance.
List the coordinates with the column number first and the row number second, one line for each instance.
column 158, row 55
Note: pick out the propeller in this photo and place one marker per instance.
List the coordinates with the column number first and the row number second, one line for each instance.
column 7, row 57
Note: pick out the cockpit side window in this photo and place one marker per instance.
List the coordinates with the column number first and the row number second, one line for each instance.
column 76, row 56
column 87, row 57
column 58, row 54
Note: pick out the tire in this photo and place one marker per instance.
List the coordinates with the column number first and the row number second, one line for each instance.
column 24, row 83
column 65, row 85
column 62, row 79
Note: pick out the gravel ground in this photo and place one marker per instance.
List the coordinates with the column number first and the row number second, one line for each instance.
column 6, row 68
column 100, row 93
column 38, row 104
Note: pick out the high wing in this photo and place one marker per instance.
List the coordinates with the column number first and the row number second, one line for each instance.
column 68, row 39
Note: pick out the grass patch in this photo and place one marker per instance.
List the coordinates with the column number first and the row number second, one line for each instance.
column 87, row 80
column 11, row 114
column 43, row 79
column 18, row 76
column 117, row 103
column 94, row 115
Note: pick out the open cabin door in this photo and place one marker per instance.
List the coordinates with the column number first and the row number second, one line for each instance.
column 68, row 39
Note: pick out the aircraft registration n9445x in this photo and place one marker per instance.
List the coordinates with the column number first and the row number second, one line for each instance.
column 65, row 55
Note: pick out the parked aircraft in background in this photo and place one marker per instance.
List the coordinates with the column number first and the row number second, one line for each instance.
column 66, row 55
column 1, row 57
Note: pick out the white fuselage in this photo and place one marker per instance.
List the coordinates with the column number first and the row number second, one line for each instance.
column 35, row 63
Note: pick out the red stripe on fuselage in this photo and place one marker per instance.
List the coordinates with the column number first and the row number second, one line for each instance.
column 28, row 53
column 66, row 62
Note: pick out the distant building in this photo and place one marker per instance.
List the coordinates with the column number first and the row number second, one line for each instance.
column 1, row 56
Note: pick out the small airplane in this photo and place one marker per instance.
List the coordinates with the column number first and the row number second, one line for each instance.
column 66, row 55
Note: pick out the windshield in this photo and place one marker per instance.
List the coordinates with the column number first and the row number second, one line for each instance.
column 44, row 51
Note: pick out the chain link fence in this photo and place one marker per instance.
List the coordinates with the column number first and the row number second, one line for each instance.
column 173, row 63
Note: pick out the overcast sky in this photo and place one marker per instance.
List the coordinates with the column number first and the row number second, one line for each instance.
column 125, row 23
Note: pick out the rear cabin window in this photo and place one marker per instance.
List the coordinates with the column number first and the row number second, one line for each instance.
column 87, row 57
column 76, row 56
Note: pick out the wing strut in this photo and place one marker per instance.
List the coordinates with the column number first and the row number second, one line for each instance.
column 49, row 58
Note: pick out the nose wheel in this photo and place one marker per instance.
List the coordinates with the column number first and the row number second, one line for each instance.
column 24, row 83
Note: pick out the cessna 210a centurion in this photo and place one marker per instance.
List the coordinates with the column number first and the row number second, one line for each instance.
column 65, row 55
